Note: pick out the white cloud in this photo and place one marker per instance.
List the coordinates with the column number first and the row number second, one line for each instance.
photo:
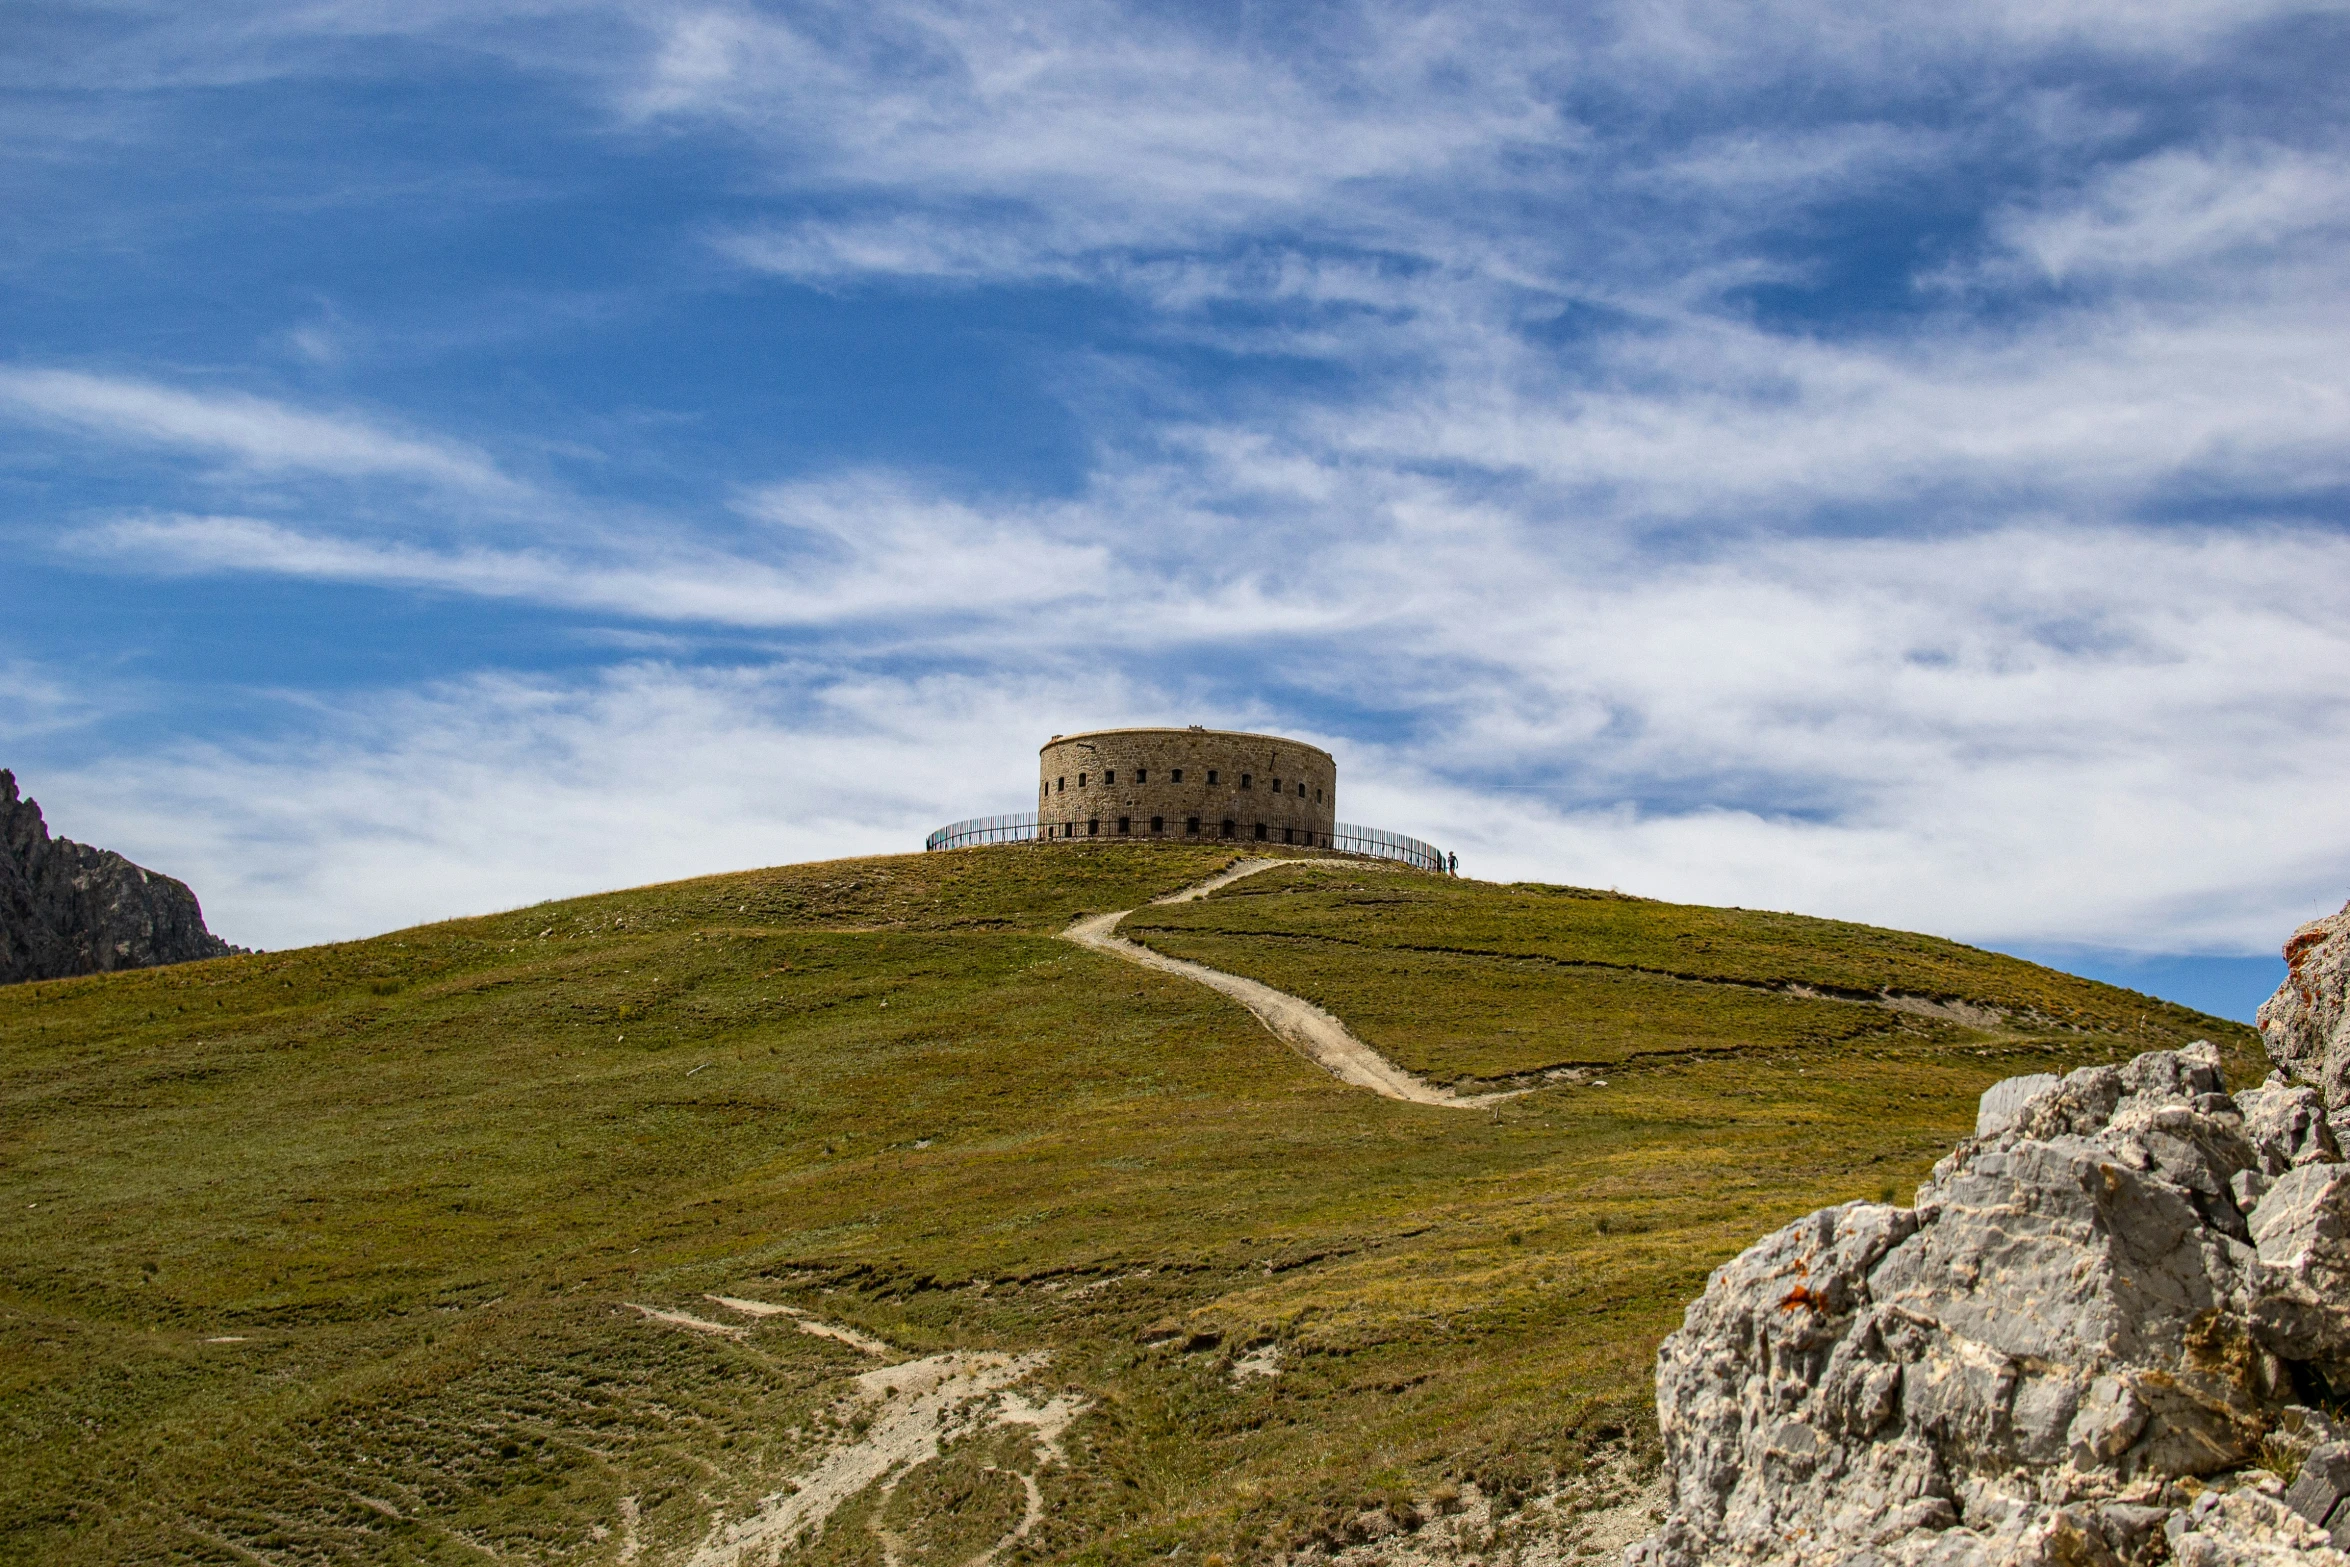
column 266, row 436
column 907, row 245
column 2188, row 207
column 1105, row 98
column 1731, row 425
column 837, row 551
column 1759, row 164
column 37, row 702
column 678, row 53
column 994, row 142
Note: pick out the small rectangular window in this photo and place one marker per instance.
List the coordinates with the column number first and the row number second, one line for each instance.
column 1211, row 775
column 1061, row 784
column 1142, row 775
column 1158, row 824
column 1244, row 780
column 1080, row 780
column 1191, row 825
column 1276, row 783
column 1110, row 776
column 1179, row 775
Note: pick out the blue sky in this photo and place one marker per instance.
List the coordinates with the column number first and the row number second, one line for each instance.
column 1878, row 461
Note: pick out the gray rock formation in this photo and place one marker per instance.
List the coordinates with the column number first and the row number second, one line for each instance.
column 2307, row 1022
column 2287, row 1125
column 66, row 908
column 2104, row 1316
column 2301, row 1230
column 2322, row 1490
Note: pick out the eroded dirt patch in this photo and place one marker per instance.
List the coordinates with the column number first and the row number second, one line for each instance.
column 891, row 1421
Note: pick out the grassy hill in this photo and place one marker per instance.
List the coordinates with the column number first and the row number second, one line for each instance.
column 405, row 1249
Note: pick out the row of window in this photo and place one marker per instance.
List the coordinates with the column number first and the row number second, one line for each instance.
column 1142, row 775
column 1093, row 829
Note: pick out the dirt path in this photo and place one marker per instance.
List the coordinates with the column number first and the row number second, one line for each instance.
column 1306, row 1028
column 687, row 1320
column 894, row 1419
column 864, row 1343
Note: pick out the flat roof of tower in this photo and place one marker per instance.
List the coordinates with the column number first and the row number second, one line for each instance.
column 1184, row 729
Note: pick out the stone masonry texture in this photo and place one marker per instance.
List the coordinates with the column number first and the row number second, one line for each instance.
column 1186, row 785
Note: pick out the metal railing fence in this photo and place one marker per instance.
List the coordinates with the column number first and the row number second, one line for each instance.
column 1018, row 827
column 1379, row 843
column 1346, row 837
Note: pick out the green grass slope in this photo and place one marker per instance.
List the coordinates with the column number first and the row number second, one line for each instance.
column 339, row 1255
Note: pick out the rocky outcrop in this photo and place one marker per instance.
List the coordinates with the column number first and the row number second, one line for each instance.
column 2307, row 1022
column 2097, row 1338
column 66, row 908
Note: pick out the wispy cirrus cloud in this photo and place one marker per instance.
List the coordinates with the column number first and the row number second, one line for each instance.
column 35, row 701
column 958, row 143
column 1721, row 424
column 833, row 553
column 256, row 433
column 2184, row 210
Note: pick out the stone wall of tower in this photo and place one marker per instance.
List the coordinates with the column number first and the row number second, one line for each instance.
column 1186, row 785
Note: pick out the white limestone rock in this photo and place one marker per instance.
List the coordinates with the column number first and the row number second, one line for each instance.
column 2026, row 1367
column 2288, row 1126
column 2007, row 1099
column 2301, row 1230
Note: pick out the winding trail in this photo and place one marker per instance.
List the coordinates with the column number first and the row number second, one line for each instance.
column 1301, row 1025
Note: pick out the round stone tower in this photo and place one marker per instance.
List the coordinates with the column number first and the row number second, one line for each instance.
column 1186, row 786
